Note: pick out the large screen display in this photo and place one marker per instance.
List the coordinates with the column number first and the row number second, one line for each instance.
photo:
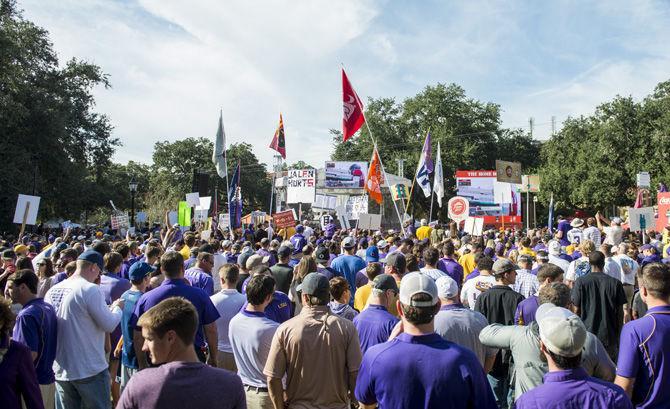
column 346, row 175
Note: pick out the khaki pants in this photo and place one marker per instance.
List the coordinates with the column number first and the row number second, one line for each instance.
column 257, row 399
column 629, row 290
column 226, row 360
column 48, row 395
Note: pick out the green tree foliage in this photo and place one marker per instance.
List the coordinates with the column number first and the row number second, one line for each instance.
column 592, row 162
column 53, row 142
column 468, row 130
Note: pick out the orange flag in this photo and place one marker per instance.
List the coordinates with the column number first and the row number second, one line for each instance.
column 374, row 180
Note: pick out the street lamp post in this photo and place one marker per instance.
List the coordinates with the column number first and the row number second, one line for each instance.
column 133, row 189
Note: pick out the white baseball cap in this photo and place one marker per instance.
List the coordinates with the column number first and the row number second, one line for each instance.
column 554, row 248
column 418, row 283
column 561, row 331
column 447, row 287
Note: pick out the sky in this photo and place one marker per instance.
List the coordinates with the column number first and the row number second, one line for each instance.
column 174, row 65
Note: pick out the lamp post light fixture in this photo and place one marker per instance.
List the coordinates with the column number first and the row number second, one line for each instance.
column 133, row 189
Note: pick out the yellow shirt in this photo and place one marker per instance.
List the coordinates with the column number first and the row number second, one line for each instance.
column 361, row 297
column 287, row 233
column 185, row 252
column 423, row 232
column 527, row 251
column 467, row 261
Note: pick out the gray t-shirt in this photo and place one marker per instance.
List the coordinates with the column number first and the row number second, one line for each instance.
column 178, row 385
column 228, row 303
column 461, row 325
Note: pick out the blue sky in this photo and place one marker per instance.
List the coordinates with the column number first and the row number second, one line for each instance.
column 174, row 64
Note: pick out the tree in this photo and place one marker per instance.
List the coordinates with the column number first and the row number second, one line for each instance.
column 54, row 144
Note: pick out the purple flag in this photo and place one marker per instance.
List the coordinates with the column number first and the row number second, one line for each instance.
column 427, row 153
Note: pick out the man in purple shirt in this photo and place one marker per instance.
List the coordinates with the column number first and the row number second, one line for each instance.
column 642, row 371
column 179, row 380
column 419, row 369
column 374, row 324
column 175, row 285
column 562, row 231
column 525, row 311
column 36, row 328
column 567, row 385
column 279, row 309
column 200, row 276
column 449, row 264
column 265, row 252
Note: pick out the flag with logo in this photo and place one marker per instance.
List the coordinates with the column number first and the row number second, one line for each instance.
column 438, row 181
column 374, row 181
column 235, row 200
column 278, row 141
column 353, row 117
column 425, row 167
column 218, row 156
column 550, row 222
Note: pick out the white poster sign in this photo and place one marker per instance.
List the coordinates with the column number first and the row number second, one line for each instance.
column 301, row 186
column 327, row 202
column 459, row 208
column 204, row 203
column 29, row 203
column 369, row 221
column 641, row 218
column 173, row 217
column 474, row 226
column 502, row 192
column 356, row 205
column 193, row 199
column 224, row 220
column 644, row 180
column 342, row 216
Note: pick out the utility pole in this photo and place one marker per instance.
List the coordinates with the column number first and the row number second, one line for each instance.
column 531, row 125
column 401, row 167
column 553, row 125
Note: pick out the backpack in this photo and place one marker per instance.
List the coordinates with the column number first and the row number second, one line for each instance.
column 582, row 268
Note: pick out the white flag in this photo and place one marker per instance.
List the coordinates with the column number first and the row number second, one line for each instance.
column 218, row 157
column 438, row 181
column 425, row 167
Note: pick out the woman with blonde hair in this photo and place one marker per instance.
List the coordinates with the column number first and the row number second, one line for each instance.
column 305, row 266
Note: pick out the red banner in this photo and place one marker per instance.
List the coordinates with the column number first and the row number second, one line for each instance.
column 663, row 219
column 284, row 219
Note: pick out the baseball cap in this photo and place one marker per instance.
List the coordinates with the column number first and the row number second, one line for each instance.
column 21, row 248
column 418, row 283
column 349, row 242
column 397, row 260
column 446, row 287
column 315, row 284
column 503, row 265
column 140, row 270
column 382, row 244
column 646, row 247
column 242, row 258
column 561, row 331
column 92, row 256
column 372, row 254
column 253, row 261
column 554, row 248
column 384, row 282
column 299, row 228
column 525, row 258
column 8, row 254
column 616, row 220
column 284, row 251
column 322, row 254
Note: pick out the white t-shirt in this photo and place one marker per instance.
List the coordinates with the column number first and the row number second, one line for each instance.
column 612, row 268
column 576, row 235
column 228, row 303
column 433, row 273
column 557, row 261
column 219, row 260
column 592, row 233
column 250, row 339
column 628, row 267
column 83, row 319
column 614, row 235
column 582, row 263
column 474, row 287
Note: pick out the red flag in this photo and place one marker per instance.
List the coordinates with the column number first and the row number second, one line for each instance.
column 278, row 141
column 353, row 109
column 374, row 181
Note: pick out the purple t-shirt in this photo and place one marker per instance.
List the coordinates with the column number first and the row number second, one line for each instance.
column 200, row 279
column 58, row 278
column 525, row 311
column 361, row 278
column 452, row 269
column 113, row 287
column 207, row 312
column 475, row 273
column 565, row 227
column 36, row 327
column 642, row 354
column 573, row 388
column 436, row 374
column 17, row 377
column 177, row 385
column 265, row 253
column 374, row 325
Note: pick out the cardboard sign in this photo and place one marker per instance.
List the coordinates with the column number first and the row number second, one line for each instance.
column 474, row 226
column 641, row 219
column 184, row 211
column 327, row 202
column 342, row 216
column 173, row 218
column 204, row 203
column 120, row 221
column 27, row 206
column 325, row 220
column 509, row 172
column 399, row 191
column 530, row 183
column 369, row 221
column 224, row 220
column 301, row 186
column 644, row 180
column 200, row 215
column 355, row 206
column 502, row 192
column 193, row 199
column 284, row 219
column 459, row 208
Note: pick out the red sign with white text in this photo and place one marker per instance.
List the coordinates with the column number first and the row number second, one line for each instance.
column 663, row 219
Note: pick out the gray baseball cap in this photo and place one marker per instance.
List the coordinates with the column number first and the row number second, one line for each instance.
column 349, row 242
column 503, row 265
column 447, row 287
column 418, row 283
column 561, row 331
column 315, row 284
column 384, row 282
column 397, row 260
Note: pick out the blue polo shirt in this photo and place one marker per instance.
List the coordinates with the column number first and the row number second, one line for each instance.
column 207, row 313
column 422, row 372
column 374, row 325
column 642, row 354
column 128, row 358
column 36, row 327
column 574, row 388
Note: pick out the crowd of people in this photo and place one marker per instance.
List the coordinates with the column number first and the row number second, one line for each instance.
column 325, row 317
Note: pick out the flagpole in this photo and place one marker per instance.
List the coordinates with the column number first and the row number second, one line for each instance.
column 430, row 216
column 225, row 164
column 411, row 191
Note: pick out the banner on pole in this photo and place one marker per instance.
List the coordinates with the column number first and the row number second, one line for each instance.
column 301, row 186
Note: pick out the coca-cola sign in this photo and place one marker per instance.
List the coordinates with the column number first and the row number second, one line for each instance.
column 663, row 200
